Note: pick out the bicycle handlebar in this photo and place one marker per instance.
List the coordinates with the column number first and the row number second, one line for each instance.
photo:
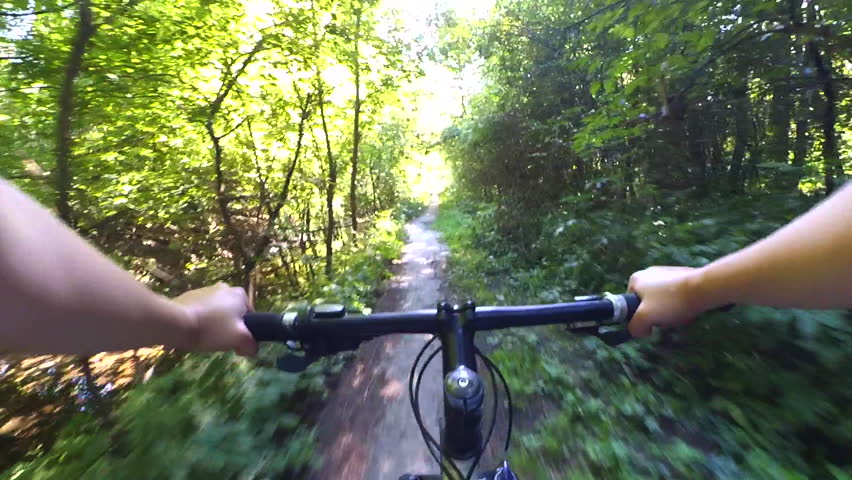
column 332, row 321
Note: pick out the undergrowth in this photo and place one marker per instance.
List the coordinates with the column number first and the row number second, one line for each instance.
column 218, row 416
column 757, row 393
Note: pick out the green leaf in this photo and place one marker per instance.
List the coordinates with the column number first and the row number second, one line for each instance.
column 595, row 88
column 660, row 41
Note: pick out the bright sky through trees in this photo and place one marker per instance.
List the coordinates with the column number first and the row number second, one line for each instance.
column 440, row 93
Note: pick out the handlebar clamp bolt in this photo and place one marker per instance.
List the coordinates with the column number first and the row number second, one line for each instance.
column 463, row 383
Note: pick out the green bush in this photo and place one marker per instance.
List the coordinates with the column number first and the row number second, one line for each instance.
column 209, row 417
column 367, row 262
column 756, row 393
column 410, row 208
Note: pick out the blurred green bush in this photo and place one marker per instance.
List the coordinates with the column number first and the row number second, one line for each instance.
column 756, row 393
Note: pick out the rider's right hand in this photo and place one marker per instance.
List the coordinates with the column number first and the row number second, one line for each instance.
column 216, row 315
column 669, row 298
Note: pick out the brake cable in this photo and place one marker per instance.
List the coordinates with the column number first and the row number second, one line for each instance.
column 414, row 397
column 494, row 409
column 494, row 366
column 415, row 379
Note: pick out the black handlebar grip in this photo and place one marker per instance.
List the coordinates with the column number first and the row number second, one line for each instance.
column 266, row 327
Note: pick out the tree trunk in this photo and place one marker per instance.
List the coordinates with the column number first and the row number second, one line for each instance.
column 290, row 271
column 275, row 210
column 801, row 145
column 377, row 205
column 800, row 150
column 802, row 142
column 309, row 244
column 239, row 253
column 751, row 172
column 244, row 260
column 85, row 31
column 780, row 114
column 742, row 136
column 303, row 246
column 356, row 134
column 251, row 287
column 716, row 155
column 668, row 166
column 697, row 139
column 831, row 157
column 579, row 177
column 329, row 189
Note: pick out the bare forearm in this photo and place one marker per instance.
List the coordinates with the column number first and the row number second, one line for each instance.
column 60, row 295
column 806, row 264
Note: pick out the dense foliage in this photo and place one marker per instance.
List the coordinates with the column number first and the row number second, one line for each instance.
column 651, row 101
column 260, row 143
column 207, row 141
column 613, row 135
column 221, row 418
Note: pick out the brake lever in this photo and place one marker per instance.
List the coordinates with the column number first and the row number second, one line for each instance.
column 315, row 349
column 610, row 337
column 296, row 362
column 615, row 337
column 291, row 363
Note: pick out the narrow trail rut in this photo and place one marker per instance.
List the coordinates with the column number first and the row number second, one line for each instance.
column 367, row 431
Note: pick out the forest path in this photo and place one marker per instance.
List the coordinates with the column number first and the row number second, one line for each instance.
column 367, row 430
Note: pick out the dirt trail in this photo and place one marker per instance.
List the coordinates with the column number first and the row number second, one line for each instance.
column 367, row 430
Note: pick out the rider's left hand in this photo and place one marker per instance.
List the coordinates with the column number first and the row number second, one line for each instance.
column 216, row 314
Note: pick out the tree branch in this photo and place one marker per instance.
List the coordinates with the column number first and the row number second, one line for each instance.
column 221, row 196
column 85, row 31
column 541, row 37
column 264, row 192
column 228, row 84
column 233, row 129
column 733, row 42
column 283, row 196
column 18, row 89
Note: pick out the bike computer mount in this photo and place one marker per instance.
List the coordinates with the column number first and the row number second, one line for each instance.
column 304, row 353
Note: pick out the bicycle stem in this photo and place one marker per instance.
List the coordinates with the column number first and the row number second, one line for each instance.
column 464, row 392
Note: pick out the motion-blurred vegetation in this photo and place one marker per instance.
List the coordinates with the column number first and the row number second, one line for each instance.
column 756, row 393
column 614, row 135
